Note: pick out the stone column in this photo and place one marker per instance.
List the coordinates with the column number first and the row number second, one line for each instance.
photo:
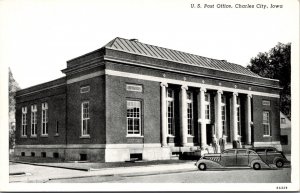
column 234, row 116
column 248, row 118
column 202, row 117
column 219, row 129
column 164, row 123
column 184, row 121
column 219, row 115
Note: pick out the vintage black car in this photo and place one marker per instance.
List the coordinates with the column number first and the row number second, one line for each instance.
column 231, row 158
column 271, row 155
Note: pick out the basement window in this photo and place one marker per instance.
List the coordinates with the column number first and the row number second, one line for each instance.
column 23, row 154
column 43, row 154
column 55, row 155
column 32, row 154
column 136, row 156
column 83, row 157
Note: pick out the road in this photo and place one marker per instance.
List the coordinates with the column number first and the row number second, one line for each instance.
column 224, row 176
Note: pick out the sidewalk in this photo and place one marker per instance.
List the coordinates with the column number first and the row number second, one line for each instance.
column 85, row 165
column 59, row 173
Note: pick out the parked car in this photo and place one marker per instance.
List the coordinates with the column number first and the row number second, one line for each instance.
column 271, row 155
column 231, row 158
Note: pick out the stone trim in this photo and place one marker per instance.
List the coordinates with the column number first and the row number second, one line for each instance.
column 181, row 82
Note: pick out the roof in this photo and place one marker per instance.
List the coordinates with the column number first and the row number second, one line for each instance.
column 135, row 47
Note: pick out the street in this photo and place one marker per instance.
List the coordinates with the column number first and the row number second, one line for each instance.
column 229, row 176
column 153, row 174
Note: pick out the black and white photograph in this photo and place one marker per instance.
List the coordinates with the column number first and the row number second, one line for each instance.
column 128, row 95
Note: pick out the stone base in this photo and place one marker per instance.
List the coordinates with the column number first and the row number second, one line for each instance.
column 96, row 154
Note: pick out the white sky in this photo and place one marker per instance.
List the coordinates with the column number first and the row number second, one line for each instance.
column 38, row 37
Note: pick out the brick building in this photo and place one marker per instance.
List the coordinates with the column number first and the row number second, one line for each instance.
column 130, row 99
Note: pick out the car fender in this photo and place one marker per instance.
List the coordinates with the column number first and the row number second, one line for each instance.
column 280, row 158
column 262, row 163
column 209, row 163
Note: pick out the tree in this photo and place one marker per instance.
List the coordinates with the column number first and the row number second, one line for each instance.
column 276, row 64
column 12, row 89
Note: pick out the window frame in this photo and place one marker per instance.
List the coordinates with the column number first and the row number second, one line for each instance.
column 172, row 101
column 44, row 120
column 24, row 122
column 190, row 120
column 33, row 131
column 207, row 103
column 224, row 121
column 266, row 124
column 57, row 128
column 87, row 119
column 140, row 128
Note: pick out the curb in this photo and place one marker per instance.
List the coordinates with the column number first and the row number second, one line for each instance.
column 63, row 167
column 17, row 173
column 156, row 173
column 88, row 169
column 151, row 165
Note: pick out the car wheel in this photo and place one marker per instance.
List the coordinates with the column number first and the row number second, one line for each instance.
column 256, row 166
column 279, row 164
column 202, row 167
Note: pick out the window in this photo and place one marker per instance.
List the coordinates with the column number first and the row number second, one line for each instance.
column 283, row 121
column 85, row 118
column 85, row 89
column 266, row 123
column 83, row 157
column 134, row 87
column 242, row 151
column 266, row 103
column 134, row 118
column 170, row 111
column 229, row 152
column 271, row 150
column 44, row 118
column 24, row 121
column 260, row 151
column 207, row 106
column 284, row 140
column 238, row 114
column 223, row 114
column 33, row 119
column 57, row 128
column 55, row 155
column 190, row 112
column 43, row 154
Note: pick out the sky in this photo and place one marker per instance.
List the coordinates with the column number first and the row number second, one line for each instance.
column 38, row 37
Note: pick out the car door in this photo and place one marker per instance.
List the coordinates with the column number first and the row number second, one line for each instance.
column 270, row 155
column 228, row 157
column 242, row 157
column 262, row 154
